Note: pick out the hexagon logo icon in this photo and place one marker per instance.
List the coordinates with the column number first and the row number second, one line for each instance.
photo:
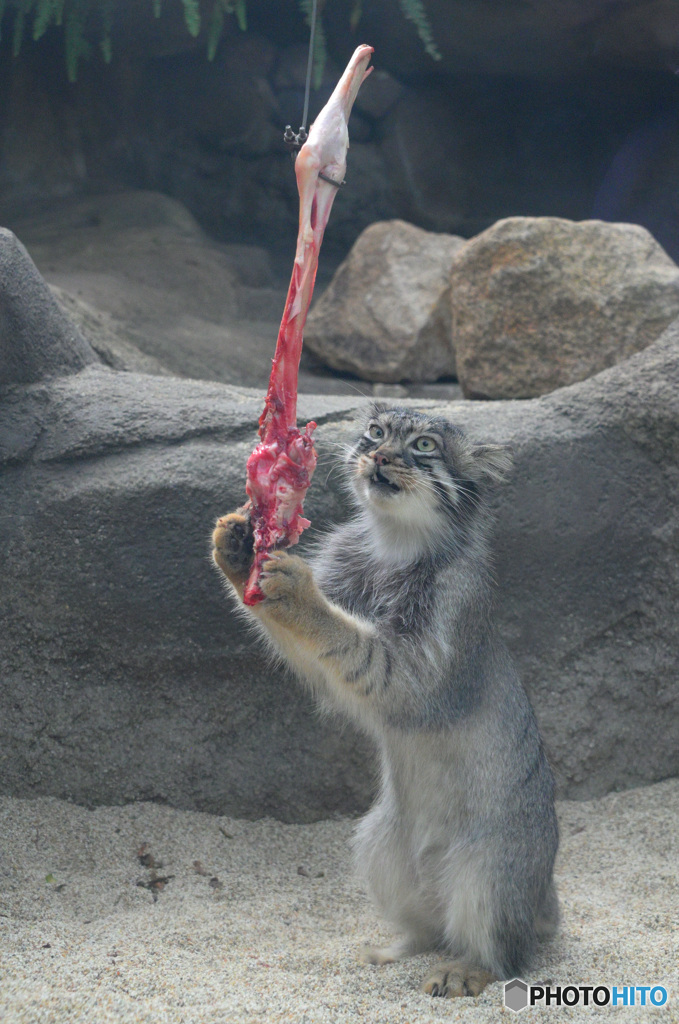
column 516, row 995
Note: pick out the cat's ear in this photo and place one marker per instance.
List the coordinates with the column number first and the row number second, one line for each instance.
column 492, row 461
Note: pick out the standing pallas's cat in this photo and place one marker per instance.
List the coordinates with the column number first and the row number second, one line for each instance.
column 391, row 623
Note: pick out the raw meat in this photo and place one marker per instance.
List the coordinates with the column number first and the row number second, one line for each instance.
column 280, row 468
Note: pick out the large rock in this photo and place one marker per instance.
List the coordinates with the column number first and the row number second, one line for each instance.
column 36, row 338
column 539, row 303
column 138, row 256
column 106, row 336
column 153, row 292
column 114, row 264
column 386, row 313
column 126, row 676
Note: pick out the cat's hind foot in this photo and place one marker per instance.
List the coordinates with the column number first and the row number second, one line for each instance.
column 379, row 957
column 398, row 950
column 455, row 978
column 232, row 538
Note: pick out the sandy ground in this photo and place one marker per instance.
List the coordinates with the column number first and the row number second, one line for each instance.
column 261, row 921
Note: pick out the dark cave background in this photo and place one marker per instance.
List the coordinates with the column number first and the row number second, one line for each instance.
column 534, row 109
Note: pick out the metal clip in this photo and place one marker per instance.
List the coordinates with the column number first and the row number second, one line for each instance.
column 331, row 181
column 295, row 140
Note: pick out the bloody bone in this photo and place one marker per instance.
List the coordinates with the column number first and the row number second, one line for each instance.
column 280, row 468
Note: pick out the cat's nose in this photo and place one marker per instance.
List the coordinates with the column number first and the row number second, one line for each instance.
column 381, row 458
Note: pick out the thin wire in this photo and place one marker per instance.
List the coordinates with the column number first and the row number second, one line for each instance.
column 309, row 63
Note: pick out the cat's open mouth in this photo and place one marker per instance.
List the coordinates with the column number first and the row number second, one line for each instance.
column 378, row 479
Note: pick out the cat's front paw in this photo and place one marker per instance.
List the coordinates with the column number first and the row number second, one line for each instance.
column 233, row 544
column 287, row 582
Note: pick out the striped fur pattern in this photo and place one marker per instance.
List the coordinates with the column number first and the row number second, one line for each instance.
column 391, row 623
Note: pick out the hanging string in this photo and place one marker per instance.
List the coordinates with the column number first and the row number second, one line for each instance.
column 294, row 140
column 309, row 63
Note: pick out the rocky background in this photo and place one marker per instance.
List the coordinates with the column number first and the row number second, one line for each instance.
column 125, row 675
column 478, row 252
column 567, row 110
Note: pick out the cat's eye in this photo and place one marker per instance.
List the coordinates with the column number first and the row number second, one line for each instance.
column 425, row 444
column 375, row 432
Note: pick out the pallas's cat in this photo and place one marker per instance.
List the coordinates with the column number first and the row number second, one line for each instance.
column 391, row 622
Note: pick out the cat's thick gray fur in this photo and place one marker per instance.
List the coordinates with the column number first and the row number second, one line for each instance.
column 458, row 849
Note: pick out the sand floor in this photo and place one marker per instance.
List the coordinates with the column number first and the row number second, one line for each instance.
column 259, row 921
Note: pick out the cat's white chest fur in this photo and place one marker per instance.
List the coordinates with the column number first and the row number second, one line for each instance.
column 399, row 539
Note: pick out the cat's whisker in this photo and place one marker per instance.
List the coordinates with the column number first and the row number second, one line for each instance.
column 333, row 469
column 363, row 394
column 339, row 444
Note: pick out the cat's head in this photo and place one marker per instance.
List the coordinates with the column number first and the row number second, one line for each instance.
column 408, row 465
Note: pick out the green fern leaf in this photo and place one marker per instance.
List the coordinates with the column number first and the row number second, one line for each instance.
column 239, row 8
column 106, row 28
column 241, row 15
column 18, row 36
column 75, row 44
column 43, row 16
column 192, row 16
column 157, row 7
column 72, row 32
column 214, row 29
column 414, row 11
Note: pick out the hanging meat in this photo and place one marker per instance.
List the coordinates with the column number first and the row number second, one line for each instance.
column 280, row 468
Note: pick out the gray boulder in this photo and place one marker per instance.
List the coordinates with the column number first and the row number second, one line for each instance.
column 36, row 338
column 153, row 291
column 386, row 314
column 126, row 676
column 106, row 336
column 541, row 302
column 153, row 294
